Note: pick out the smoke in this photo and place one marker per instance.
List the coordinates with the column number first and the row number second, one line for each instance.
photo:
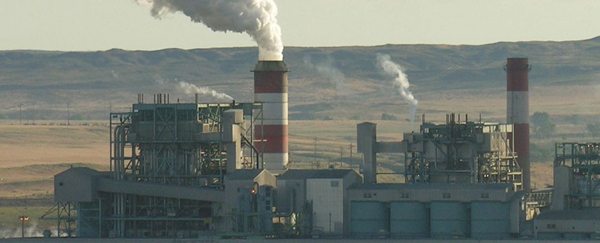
column 114, row 74
column 188, row 88
column 31, row 230
column 257, row 18
column 327, row 70
column 400, row 81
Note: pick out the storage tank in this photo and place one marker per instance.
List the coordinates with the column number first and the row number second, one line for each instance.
column 368, row 219
column 449, row 220
column 409, row 220
column 490, row 220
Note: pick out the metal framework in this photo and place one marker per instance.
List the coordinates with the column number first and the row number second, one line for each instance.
column 470, row 152
column 584, row 161
column 174, row 144
column 65, row 215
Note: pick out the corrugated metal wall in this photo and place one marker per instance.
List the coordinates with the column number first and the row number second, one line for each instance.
column 327, row 196
column 449, row 220
column 440, row 219
column 490, row 220
column 409, row 220
column 368, row 219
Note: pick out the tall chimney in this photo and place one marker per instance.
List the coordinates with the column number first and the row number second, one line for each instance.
column 271, row 89
column 517, row 113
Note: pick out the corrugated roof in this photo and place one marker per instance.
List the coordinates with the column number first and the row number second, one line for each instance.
column 439, row 186
column 306, row 174
column 572, row 214
column 80, row 170
column 243, row 174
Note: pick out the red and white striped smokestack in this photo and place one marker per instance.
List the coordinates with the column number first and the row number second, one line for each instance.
column 271, row 89
column 517, row 113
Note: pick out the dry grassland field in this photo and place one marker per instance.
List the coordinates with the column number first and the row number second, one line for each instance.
column 30, row 155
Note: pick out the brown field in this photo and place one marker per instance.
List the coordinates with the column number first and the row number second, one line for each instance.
column 32, row 154
column 22, row 145
column 541, row 175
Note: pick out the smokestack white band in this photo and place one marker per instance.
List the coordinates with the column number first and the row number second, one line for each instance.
column 518, row 107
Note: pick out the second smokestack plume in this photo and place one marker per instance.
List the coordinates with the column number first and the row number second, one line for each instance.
column 400, row 81
column 327, row 70
column 257, row 18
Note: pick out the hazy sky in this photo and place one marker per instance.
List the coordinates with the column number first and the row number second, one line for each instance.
column 106, row 24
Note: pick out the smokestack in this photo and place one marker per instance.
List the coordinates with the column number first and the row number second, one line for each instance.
column 271, row 89
column 517, row 113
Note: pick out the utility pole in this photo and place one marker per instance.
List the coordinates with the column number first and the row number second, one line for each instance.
column 68, row 113
column 20, row 113
column 33, row 114
column 23, row 218
column 315, row 151
column 351, row 147
column 341, row 156
column 329, row 222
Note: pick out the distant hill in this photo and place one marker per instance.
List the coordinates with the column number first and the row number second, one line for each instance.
column 94, row 81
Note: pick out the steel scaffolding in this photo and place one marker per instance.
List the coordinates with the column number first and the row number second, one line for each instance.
column 462, row 152
column 172, row 144
column 583, row 160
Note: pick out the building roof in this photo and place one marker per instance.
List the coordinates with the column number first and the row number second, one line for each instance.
column 243, row 174
column 80, row 170
column 571, row 214
column 293, row 174
column 434, row 186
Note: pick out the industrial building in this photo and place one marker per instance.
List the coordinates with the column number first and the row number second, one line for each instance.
column 184, row 170
column 168, row 177
column 188, row 170
column 455, row 152
column 316, row 200
column 575, row 209
column 461, row 181
column 435, row 210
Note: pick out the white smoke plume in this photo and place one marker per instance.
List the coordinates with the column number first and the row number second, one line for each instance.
column 400, row 81
column 327, row 70
column 257, row 18
column 31, row 230
column 188, row 88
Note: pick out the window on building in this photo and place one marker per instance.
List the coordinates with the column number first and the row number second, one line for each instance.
column 446, row 195
column 485, row 195
column 404, row 195
column 551, row 226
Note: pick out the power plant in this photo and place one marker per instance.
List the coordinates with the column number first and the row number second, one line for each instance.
column 195, row 170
